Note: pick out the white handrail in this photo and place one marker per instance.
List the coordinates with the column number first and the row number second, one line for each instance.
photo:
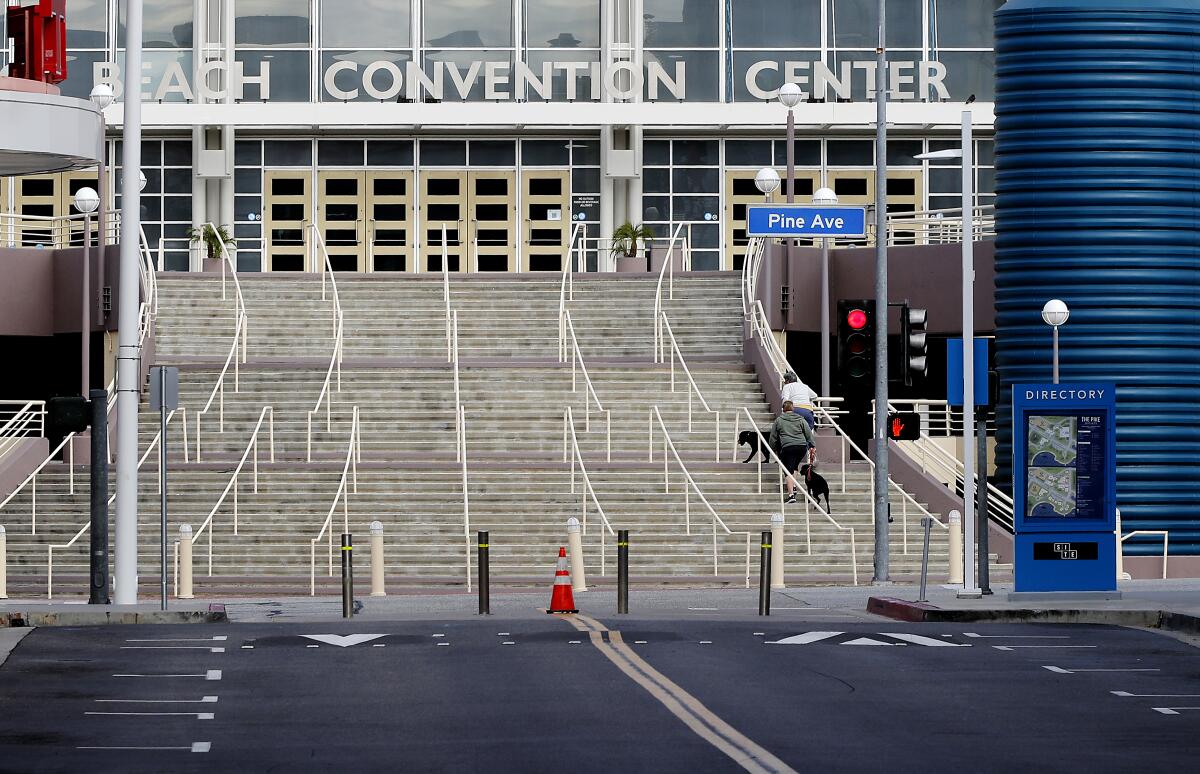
column 32, row 479
column 240, row 336
column 809, row 500
column 669, row 445
column 446, row 289
column 566, row 291
column 942, row 226
column 589, row 387
column 572, row 452
column 667, row 270
column 348, row 481
column 112, row 498
column 677, row 354
column 335, row 360
column 55, row 231
column 1164, row 534
column 466, row 494
column 751, row 266
column 27, row 421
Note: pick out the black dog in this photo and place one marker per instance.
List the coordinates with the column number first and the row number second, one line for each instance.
column 746, row 438
column 816, row 485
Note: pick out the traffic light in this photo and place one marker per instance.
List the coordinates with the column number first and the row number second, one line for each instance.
column 856, row 345
column 904, row 426
column 914, row 343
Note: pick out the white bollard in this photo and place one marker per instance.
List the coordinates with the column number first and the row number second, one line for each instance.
column 377, row 559
column 575, row 551
column 1121, row 574
column 956, row 548
column 185, row 562
column 777, row 551
column 3, row 565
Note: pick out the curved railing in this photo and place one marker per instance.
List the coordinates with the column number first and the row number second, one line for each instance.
column 325, row 398
column 573, row 454
column 251, row 453
column 677, row 354
column 237, row 350
column 680, row 238
column 348, row 481
column 809, row 501
column 669, row 446
column 590, row 395
column 50, row 549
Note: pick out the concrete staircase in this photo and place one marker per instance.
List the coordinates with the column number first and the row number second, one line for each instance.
column 395, row 372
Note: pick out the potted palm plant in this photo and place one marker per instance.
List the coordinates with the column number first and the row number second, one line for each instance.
column 212, row 244
column 625, row 246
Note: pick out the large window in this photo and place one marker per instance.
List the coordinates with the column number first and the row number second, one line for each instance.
column 276, row 35
column 561, row 31
column 681, row 185
column 167, row 198
column 686, row 32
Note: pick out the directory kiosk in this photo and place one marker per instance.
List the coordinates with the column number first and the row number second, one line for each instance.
column 1064, row 487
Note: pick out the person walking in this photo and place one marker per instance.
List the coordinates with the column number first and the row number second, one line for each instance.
column 792, row 438
column 802, row 397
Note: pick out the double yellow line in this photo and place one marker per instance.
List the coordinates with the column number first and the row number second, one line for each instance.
column 680, row 703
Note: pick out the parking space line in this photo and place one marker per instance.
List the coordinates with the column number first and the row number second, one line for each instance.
column 1126, row 694
column 172, row 647
column 1011, row 647
column 217, row 638
column 211, row 674
column 1173, row 710
column 1073, row 670
column 196, row 747
column 201, row 700
column 1017, row 636
column 199, row 715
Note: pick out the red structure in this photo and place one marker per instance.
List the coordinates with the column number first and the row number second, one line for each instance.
column 39, row 33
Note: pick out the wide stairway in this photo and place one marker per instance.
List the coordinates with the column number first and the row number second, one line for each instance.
column 375, row 437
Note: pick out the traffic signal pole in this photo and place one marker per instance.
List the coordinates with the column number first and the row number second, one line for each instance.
column 881, row 298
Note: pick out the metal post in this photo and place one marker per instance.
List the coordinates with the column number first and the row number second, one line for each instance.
column 98, row 539
column 623, row 571
column 128, row 349
column 377, row 589
column 485, row 570
column 347, row 575
column 3, row 564
column 777, row 551
column 575, row 551
column 764, row 575
column 881, row 308
column 85, row 358
column 826, row 367
column 162, row 482
column 955, row 542
column 1055, row 353
column 985, row 585
column 970, row 587
column 791, row 198
column 102, row 220
column 185, row 561
column 927, row 523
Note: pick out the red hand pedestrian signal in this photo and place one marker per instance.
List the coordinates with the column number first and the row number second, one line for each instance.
column 897, row 427
column 904, row 426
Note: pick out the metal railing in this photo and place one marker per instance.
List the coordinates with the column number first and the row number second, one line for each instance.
column 809, row 501
column 751, row 266
column 679, row 240
column 21, row 419
column 237, row 349
column 31, row 480
column 251, row 453
column 55, row 231
column 939, row 419
column 348, row 482
column 335, row 360
column 677, row 354
column 937, row 227
column 571, row 345
column 50, row 549
column 1164, row 534
column 566, row 290
column 689, row 486
column 446, row 290
column 573, row 454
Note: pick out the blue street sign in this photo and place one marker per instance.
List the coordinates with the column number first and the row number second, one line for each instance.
column 954, row 372
column 794, row 220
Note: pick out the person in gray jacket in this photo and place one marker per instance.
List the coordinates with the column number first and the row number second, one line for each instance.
column 792, row 438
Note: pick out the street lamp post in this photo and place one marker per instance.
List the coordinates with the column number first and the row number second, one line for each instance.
column 102, row 97
column 767, row 180
column 86, row 201
column 1054, row 314
column 966, row 154
column 825, row 197
column 790, row 95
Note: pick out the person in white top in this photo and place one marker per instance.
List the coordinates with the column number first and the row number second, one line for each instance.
column 802, row 397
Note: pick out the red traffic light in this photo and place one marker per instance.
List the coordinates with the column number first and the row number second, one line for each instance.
column 856, row 319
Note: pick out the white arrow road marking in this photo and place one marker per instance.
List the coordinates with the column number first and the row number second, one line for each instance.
column 201, row 700
column 1156, row 695
column 867, row 641
column 1015, row 636
column 199, row 715
column 1062, row 671
column 917, row 639
column 806, row 638
column 343, row 641
column 196, row 747
column 1010, row 647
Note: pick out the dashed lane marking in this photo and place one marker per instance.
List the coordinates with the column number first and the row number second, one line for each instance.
column 201, row 700
column 196, row 747
column 199, row 715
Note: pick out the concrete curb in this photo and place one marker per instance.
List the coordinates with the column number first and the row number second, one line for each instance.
column 58, row 616
column 922, row 612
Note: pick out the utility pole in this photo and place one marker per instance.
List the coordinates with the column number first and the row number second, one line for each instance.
column 881, row 308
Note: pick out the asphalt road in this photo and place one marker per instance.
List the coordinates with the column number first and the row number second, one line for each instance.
column 544, row 694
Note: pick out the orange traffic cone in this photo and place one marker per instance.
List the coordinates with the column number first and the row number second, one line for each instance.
column 562, row 601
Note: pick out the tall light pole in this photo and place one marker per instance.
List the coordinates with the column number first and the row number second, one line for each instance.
column 102, row 97
column 128, row 347
column 966, row 154
column 825, row 197
column 881, row 307
column 790, row 95
column 86, row 201
column 1054, row 314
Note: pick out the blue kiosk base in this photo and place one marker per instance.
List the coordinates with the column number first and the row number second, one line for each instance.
column 1065, row 562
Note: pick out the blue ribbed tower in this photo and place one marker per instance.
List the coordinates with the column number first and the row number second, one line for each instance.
column 1098, row 183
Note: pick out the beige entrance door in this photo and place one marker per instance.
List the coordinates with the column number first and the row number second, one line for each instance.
column 857, row 187
column 546, row 199
column 443, row 213
column 493, row 215
column 740, row 192
column 341, row 199
column 390, row 233
column 288, row 209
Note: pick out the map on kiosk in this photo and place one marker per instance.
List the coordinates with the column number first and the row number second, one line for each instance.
column 1063, row 475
